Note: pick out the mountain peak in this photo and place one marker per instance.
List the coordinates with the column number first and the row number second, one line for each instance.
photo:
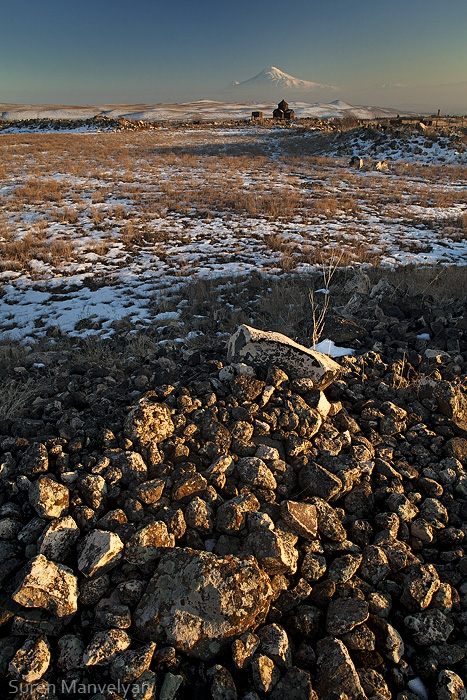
column 273, row 77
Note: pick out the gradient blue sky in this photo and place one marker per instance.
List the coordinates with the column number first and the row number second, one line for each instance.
column 103, row 51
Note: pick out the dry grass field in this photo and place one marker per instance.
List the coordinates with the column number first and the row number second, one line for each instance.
column 188, row 231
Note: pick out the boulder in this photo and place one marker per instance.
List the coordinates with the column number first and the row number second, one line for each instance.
column 199, row 602
column 264, row 348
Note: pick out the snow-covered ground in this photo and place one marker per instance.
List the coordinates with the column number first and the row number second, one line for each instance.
column 102, row 230
column 207, row 110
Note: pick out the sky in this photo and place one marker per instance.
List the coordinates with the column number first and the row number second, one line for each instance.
column 399, row 53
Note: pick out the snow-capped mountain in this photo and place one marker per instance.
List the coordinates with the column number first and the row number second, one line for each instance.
column 276, row 78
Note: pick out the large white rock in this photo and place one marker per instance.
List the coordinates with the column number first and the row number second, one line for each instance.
column 264, row 348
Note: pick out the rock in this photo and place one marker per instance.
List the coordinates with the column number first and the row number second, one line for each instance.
column 109, row 612
column 222, row 683
column 329, row 524
column 149, row 421
column 70, row 652
column 129, row 665
column 35, row 460
column 101, row 551
column 313, row 567
column 49, row 498
column 388, row 640
column 429, row 627
column 31, row 660
column 419, row 584
column 265, row 673
column 253, row 471
column 301, row 518
column 375, row 565
column 451, row 400
column 344, row 614
column 262, row 349
column 206, row 605
column 200, row 516
column 57, row 541
column 318, row 481
column 52, row 587
column 274, row 552
column 131, row 464
column 295, row 685
column 343, row 568
column 104, row 646
column 450, row 686
column 170, row 686
column 244, row 648
column 150, row 492
column 231, row 515
column 275, row 644
column 335, row 670
column 147, row 545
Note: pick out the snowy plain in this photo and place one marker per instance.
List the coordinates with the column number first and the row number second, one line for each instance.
column 104, row 231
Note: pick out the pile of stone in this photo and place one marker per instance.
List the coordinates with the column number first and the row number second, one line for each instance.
column 272, row 525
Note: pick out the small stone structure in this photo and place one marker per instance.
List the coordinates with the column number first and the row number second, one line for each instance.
column 283, row 112
column 256, row 115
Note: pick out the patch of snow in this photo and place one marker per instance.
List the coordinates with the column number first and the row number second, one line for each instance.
column 328, row 347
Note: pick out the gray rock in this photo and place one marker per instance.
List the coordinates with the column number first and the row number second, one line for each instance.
column 313, row 567
column 58, row 539
column 375, row 565
column 149, row 421
column 231, row 515
column 335, row 670
column 329, row 524
column 344, row 614
column 35, row 460
column 131, row 464
column 318, row 481
column 429, row 627
column 129, row 665
column 210, row 601
column 71, row 650
column 253, row 471
column 52, row 587
column 150, row 492
column 343, row 568
column 388, row 640
column 222, row 683
column 170, row 686
column 262, row 349
column 295, row 685
column 275, row 644
column 274, row 551
column 101, row 552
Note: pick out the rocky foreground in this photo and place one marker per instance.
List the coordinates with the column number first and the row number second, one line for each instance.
column 204, row 529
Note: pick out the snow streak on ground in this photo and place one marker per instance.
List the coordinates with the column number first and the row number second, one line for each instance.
column 101, row 230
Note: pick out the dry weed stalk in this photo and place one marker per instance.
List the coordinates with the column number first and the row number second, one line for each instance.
column 318, row 311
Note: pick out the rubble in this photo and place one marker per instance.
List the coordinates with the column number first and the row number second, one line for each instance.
column 242, row 535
